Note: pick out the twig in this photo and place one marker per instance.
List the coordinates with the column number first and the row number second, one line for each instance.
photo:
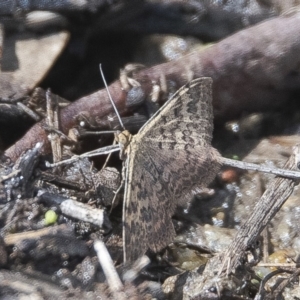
column 53, row 122
column 29, row 112
column 265, row 209
column 132, row 273
column 254, row 167
column 85, row 212
column 11, row 239
column 109, row 270
column 101, row 151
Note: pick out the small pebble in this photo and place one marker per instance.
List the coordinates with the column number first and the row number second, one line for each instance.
column 50, row 217
column 230, row 175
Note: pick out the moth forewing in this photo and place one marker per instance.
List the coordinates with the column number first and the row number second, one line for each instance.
column 155, row 181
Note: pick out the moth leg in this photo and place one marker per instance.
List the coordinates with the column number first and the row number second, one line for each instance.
column 108, row 157
column 114, row 203
column 123, row 138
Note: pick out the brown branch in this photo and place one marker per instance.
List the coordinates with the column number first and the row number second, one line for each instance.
column 97, row 105
column 255, row 69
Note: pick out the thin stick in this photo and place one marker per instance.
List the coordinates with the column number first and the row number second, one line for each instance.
column 84, row 212
column 279, row 265
column 131, row 274
column 101, row 151
column 259, row 168
column 29, row 112
column 87, row 133
column 265, row 209
column 10, row 175
column 109, row 270
column 108, row 157
column 13, row 238
column 53, row 122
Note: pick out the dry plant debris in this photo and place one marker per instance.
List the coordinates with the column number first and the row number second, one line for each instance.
column 254, row 64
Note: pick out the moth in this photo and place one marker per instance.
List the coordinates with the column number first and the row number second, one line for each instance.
column 168, row 161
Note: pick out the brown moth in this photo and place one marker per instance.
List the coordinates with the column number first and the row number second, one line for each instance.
column 168, row 161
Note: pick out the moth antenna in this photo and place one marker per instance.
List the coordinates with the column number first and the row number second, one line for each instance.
column 110, row 98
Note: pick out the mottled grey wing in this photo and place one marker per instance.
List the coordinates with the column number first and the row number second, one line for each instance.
column 147, row 207
column 186, row 118
column 170, row 159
